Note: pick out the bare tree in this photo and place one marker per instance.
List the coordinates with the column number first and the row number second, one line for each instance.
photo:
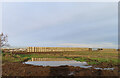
column 3, row 40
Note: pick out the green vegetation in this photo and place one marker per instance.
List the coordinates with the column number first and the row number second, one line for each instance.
column 40, row 55
column 95, row 57
column 78, row 59
column 92, row 61
column 94, row 54
column 8, row 57
column 90, row 57
column 108, row 60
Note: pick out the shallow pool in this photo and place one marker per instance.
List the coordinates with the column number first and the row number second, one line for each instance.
column 58, row 63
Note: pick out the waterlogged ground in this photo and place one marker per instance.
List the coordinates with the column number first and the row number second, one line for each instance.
column 61, row 62
column 56, row 62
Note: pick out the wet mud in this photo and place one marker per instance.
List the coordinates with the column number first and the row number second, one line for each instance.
column 20, row 69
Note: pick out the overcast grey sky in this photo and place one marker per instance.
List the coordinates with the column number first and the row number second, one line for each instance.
column 62, row 24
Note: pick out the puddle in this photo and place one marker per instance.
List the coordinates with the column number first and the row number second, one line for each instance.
column 71, row 73
column 105, row 68
column 60, row 62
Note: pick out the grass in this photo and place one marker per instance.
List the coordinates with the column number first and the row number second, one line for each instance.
column 95, row 57
column 77, row 59
column 97, row 54
column 90, row 57
column 40, row 55
column 8, row 57
column 92, row 61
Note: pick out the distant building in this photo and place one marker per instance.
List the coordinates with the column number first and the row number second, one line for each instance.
column 14, row 49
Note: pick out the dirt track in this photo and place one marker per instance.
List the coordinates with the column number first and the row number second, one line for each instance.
column 19, row 69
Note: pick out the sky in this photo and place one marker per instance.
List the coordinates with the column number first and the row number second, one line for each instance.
column 61, row 24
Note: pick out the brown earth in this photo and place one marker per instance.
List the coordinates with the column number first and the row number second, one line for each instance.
column 25, row 70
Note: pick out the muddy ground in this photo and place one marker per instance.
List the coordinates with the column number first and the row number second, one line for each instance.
column 25, row 70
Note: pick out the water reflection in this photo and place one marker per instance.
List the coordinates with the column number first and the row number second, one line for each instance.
column 60, row 62
column 105, row 68
column 49, row 59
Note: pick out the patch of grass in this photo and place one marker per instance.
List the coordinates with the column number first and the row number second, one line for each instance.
column 92, row 63
column 69, row 58
column 103, row 60
column 93, row 54
column 80, row 59
column 8, row 57
column 94, row 57
column 100, row 59
column 40, row 55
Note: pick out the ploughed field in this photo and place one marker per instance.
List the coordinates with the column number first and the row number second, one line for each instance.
column 13, row 64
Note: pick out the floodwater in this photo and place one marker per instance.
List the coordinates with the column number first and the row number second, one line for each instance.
column 60, row 62
column 105, row 68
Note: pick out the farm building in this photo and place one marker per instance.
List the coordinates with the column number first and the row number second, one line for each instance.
column 54, row 49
